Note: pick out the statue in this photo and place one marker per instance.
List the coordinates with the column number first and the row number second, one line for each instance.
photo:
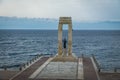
column 64, row 46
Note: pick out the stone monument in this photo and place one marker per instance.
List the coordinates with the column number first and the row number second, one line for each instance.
column 69, row 56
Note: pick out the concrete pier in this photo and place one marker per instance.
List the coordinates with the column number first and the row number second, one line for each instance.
column 83, row 69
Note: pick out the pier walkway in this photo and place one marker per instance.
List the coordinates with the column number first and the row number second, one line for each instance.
column 89, row 70
column 27, row 72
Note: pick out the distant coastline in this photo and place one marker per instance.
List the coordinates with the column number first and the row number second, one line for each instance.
column 52, row 24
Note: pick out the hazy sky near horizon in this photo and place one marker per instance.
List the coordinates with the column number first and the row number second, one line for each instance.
column 80, row 10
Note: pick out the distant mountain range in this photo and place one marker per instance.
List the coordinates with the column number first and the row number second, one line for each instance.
column 48, row 23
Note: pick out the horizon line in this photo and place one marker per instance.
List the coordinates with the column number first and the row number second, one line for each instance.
column 64, row 29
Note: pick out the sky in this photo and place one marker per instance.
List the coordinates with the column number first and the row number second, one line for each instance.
column 79, row 10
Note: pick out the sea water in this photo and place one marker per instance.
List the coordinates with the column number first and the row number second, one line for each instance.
column 19, row 46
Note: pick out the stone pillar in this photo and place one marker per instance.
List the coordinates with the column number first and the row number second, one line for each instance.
column 63, row 55
column 65, row 20
column 60, row 39
column 70, row 40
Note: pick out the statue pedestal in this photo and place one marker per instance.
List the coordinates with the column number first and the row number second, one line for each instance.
column 65, row 58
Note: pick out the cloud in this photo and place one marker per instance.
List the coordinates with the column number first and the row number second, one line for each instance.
column 80, row 10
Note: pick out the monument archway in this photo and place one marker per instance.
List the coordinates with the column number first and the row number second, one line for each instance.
column 62, row 21
column 60, row 56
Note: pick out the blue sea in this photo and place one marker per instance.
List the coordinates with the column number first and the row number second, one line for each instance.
column 19, row 46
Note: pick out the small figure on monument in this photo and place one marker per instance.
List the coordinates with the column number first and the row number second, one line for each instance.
column 64, row 46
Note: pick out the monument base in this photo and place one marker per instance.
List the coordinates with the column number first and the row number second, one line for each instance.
column 62, row 58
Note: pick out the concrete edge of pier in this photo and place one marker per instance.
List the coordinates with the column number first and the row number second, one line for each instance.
column 40, row 68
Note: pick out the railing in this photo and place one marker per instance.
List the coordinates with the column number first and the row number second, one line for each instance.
column 114, row 70
column 96, row 62
column 100, row 69
column 24, row 65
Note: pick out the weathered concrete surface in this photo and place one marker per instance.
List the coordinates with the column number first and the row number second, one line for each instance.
column 62, row 70
column 40, row 68
column 109, row 76
column 59, row 70
column 6, row 75
column 65, row 58
column 89, row 70
column 80, row 74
